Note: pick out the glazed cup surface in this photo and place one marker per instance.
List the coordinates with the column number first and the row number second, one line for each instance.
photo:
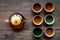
column 37, row 7
column 36, row 31
column 53, row 20
column 51, row 34
column 49, row 7
column 37, row 19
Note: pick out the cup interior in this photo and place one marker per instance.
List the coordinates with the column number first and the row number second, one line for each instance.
column 37, row 20
column 49, row 32
column 49, row 6
column 49, row 19
column 37, row 32
column 36, row 6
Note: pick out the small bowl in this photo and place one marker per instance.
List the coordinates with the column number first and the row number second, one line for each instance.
column 49, row 19
column 37, row 32
column 37, row 19
column 37, row 7
column 49, row 7
column 49, row 32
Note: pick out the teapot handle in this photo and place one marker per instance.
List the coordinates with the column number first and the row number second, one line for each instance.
column 6, row 20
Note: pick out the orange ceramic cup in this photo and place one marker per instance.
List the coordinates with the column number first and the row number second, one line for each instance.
column 49, row 7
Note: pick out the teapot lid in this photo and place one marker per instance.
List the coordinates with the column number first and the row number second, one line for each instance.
column 17, row 14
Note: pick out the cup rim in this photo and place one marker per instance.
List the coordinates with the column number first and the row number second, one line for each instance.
column 52, row 20
column 35, row 10
column 36, row 35
column 51, row 9
column 41, row 20
column 51, row 34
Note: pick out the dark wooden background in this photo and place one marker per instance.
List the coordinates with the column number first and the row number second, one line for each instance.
column 8, row 7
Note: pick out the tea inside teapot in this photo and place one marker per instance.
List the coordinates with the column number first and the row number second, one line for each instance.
column 16, row 19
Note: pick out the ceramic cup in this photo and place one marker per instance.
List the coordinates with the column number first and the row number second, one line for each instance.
column 16, row 21
column 49, row 7
column 37, row 7
column 37, row 19
column 37, row 32
column 49, row 19
column 49, row 32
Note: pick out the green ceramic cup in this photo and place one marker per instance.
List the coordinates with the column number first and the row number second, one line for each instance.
column 49, row 19
column 37, row 32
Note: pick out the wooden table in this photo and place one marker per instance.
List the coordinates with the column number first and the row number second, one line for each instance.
column 8, row 7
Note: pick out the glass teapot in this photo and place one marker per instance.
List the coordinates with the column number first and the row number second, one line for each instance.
column 16, row 21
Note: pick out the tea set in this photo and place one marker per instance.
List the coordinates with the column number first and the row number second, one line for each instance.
column 17, row 20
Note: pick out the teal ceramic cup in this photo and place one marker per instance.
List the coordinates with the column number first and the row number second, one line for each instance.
column 37, row 32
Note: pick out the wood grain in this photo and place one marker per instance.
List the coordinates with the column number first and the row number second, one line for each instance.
column 8, row 7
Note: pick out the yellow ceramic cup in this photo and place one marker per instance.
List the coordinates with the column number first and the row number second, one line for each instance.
column 49, row 32
column 37, row 19
column 49, row 7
